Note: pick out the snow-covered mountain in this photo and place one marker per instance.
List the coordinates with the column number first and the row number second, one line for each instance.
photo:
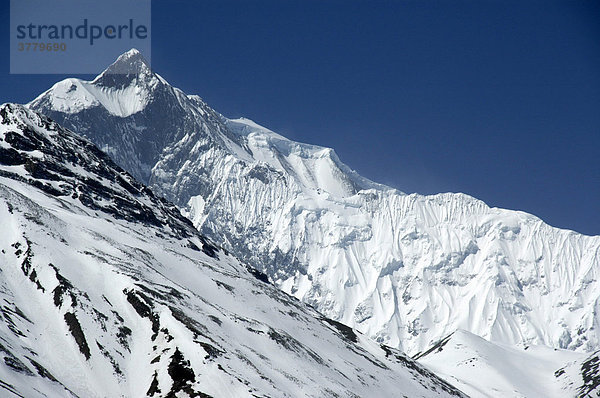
column 407, row 270
column 484, row 369
column 107, row 291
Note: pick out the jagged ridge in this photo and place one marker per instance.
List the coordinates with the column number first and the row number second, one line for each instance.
column 405, row 269
column 107, row 290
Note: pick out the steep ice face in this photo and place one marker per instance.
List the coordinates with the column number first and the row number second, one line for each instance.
column 313, row 167
column 135, row 108
column 107, row 291
column 405, row 269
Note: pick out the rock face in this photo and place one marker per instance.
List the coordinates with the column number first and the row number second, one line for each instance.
column 405, row 269
column 107, row 290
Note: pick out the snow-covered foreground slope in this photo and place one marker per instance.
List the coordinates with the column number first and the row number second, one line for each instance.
column 107, row 291
column 405, row 269
column 484, row 369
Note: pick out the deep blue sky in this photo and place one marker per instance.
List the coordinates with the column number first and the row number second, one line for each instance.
column 497, row 99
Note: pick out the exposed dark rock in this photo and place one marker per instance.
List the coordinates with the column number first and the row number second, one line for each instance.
column 9, row 387
column 153, row 386
column 21, row 314
column 39, row 171
column 143, row 309
column 123, row 336
column 15, row 364
column 224, row 285
column 193, row 246
column 11, row 157
column 182, row 375
column 64, row 286
column 138, row 305
column 208, row 248
column 10, row 323
column 258, row 274
column 77, row 332
column 437, row 347
column 191, row 324
column 18, row 141
column 42, row 371
column 590, row 375
column 291, row 344
column 152, row 292
column 110, row 358
column 33, row 277
column 211, row 351
column 419, row 371
column 101, row 319
column 100, row 185
column 345, row 331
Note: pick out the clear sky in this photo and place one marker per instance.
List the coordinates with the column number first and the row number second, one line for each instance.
column 497, row 99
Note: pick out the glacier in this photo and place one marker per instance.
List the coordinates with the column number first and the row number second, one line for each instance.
column 405, row 269
column 108, row 291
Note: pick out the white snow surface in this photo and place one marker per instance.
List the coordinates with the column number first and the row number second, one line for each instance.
column 74, row 95
column 487, row 370
column 405, row 269
column 148, row 297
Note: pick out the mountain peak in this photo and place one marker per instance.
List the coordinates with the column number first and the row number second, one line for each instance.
column 124, row 88
column 128, row 67
column 131, row 61
column 131, row 52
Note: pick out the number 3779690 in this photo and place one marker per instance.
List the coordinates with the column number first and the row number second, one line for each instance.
column 50, row 47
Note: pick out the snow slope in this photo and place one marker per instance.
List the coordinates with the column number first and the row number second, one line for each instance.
column 107, row 291
column 407, row 270
column 484, row 369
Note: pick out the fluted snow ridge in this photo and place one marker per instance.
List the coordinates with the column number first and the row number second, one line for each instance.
column 406, row 269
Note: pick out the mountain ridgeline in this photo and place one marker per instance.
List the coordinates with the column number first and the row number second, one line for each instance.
column 405, row 269
column 106, row 290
